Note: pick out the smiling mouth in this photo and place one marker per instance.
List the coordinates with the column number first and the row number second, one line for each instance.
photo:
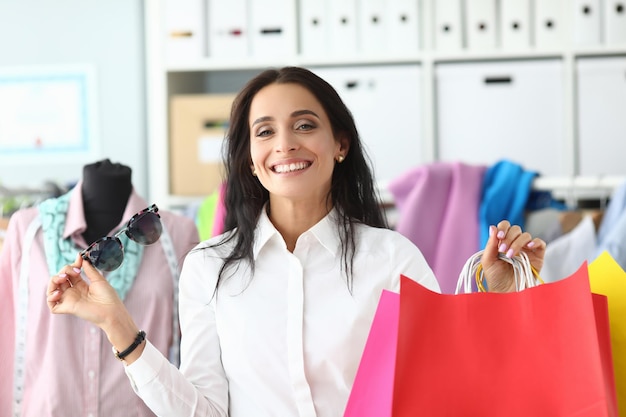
column 298, row 166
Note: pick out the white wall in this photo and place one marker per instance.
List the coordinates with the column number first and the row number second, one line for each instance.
column 105, row 34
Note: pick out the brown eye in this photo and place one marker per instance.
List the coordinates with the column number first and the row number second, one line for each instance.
column 305, row 126
column 263, row 132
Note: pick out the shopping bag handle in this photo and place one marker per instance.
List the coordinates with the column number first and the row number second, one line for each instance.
column 526, row 275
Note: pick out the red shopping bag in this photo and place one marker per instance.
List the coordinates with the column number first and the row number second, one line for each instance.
column 530, row 353
column 607, row 277
column 603, row 325
column 372, row 391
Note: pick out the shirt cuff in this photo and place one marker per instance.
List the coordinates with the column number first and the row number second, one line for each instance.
column 146, row 367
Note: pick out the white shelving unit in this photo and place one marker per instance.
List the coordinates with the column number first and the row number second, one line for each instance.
column 219, row 76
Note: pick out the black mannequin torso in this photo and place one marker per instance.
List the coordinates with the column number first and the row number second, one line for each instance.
column 106, row 189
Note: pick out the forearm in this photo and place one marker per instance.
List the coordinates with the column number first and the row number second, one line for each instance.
column 169, row 393
column 121, row 331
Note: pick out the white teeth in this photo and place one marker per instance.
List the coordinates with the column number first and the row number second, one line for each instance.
column 291, row 167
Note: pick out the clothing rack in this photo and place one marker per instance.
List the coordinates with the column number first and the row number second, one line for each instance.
column 573, row 189
column 14, row 198
column 570, row 189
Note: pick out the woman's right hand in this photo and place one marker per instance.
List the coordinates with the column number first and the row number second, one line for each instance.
column 94, row 300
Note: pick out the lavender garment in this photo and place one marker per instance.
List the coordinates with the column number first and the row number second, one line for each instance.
column 438, row 205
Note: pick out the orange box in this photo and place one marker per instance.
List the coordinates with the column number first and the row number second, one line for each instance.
column 198, row 125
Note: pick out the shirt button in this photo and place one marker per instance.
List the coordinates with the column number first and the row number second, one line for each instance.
column 90, row 415
column 92, row 330
column 91, row 374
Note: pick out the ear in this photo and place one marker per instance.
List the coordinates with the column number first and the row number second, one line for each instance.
column 344, row 143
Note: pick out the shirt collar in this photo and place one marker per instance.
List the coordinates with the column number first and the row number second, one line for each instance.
column 325, row 232
column 75, row 223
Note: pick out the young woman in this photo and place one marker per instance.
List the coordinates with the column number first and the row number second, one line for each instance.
column 275, row 312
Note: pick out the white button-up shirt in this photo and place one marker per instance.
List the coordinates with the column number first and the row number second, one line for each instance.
column 286, row 341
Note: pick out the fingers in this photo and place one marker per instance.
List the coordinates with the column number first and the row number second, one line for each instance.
column 92, row 273
column 490, row 254
column 78, row 262
column 68, row 277
column 536, row 246
column 511, row 239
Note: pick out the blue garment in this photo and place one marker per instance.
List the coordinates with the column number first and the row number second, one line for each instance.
column 539, row 200
column 610, row 236
column 505, row 194
column 612, row 214
column 614, row 242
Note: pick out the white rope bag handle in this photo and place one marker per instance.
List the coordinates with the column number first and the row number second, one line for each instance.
column 525, row 275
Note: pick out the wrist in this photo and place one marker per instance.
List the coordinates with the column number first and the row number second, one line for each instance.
column 139, row 339
column 122, row 333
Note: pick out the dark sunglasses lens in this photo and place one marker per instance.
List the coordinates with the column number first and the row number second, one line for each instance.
column 107, row 254
column 146, row 229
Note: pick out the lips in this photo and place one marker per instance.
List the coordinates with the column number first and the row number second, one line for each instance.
column 292, row 167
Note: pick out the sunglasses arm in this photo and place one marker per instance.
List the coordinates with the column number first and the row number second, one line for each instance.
column 121, row 231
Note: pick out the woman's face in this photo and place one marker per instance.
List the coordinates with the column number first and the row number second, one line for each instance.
column 292, row 145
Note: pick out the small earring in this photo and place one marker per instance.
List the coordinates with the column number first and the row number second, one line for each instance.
column 340, row 158
column 253, row 171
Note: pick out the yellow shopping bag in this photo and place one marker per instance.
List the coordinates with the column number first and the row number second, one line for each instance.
column 607, row 277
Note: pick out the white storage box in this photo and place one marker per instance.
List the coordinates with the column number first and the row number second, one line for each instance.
column 601, row 115
column 184, row 38
column 385, row 103
column 497, row 110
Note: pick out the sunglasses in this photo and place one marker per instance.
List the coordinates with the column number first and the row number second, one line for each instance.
column 107, row 253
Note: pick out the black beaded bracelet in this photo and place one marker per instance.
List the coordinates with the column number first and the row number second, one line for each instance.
column 141, row 336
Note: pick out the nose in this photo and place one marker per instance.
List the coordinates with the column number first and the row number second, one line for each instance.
column 286, row 142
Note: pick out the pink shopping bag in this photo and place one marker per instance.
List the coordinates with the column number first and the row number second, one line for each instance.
column 372, row 392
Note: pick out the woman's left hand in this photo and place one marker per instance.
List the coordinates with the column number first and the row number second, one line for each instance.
column 510, row 240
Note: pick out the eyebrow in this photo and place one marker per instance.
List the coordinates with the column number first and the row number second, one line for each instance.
column 294, row 114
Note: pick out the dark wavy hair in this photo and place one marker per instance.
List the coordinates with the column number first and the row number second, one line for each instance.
column 353, row 192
